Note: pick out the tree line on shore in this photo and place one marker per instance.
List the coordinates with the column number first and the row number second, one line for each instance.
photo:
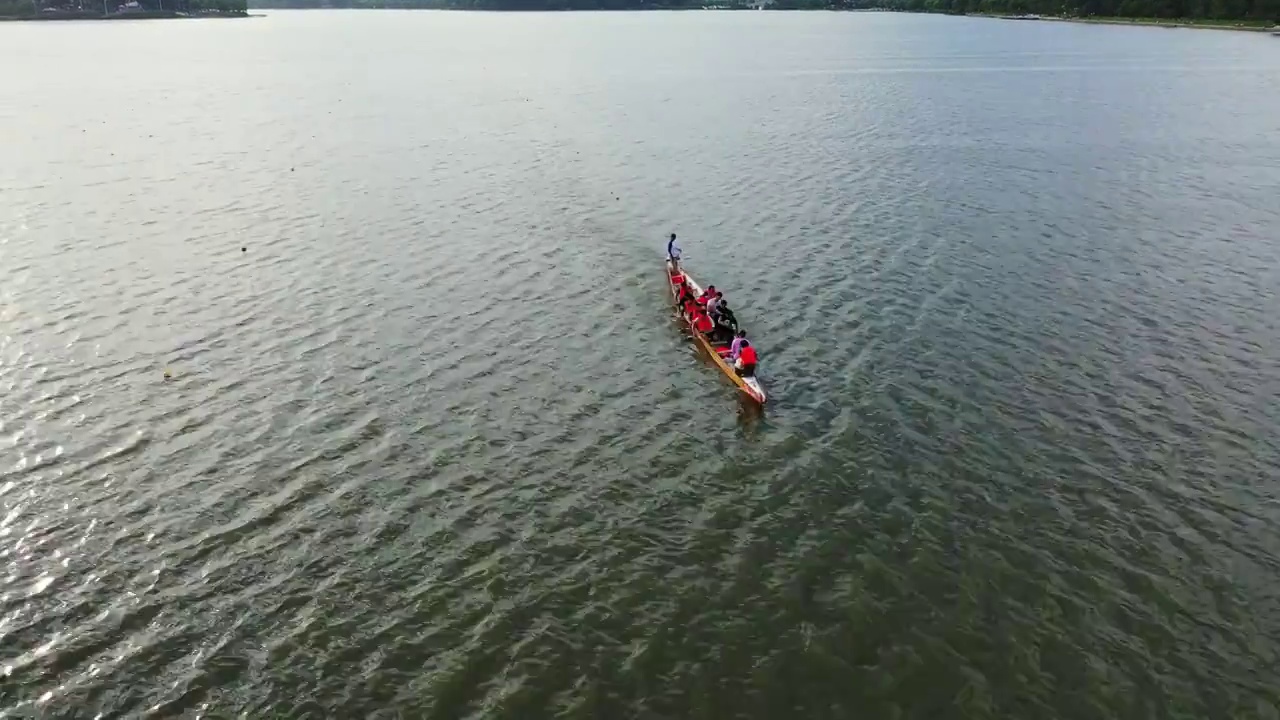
column 1224, row 10
column 1256, row 11
column 1154, row 9
column 140, row 8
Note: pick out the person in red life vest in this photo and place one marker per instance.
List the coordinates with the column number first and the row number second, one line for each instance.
column 707, row 295
column 691, row 308
column 746, row 363
column 702, row 323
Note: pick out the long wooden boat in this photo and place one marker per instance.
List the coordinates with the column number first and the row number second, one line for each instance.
column 750, row 386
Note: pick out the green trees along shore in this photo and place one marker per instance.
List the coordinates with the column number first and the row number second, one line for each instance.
column 1257, row 10
column 1225, row 11
column 93, row 9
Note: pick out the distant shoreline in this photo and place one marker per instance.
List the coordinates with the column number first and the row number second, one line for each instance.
column 1247, row 26
column 154, row 15
column 1171, row 23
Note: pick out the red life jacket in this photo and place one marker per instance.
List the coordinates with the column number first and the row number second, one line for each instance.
column 702, row 323
column 690, row 307
column 747, row 355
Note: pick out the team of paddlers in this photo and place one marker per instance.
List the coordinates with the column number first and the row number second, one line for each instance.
column 710, row 315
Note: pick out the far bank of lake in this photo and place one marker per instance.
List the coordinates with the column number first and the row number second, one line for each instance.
column 1250, row 25
column 1171, row 23
column 67, row 17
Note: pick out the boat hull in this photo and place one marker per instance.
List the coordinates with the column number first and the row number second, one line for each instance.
column 751, row 386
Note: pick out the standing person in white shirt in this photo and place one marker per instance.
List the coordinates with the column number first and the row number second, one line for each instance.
column 673, row 252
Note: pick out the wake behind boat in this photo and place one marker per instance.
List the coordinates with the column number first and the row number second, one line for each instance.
column 716, row 345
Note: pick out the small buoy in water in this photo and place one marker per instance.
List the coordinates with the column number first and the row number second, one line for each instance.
column 167, row 374
column 290, row 169
column 244, row 249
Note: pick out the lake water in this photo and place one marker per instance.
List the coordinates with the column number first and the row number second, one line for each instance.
column 432, row 446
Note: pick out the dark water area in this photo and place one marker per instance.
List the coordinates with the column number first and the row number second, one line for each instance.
column 432, row 447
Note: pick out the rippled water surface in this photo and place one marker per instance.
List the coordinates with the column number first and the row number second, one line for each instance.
column 432, row 446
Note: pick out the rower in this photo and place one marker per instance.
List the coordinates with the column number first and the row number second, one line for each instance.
column 673, row 252
column 722, row 333
column 713, row 302
column 746, row 363
column 725, row 316
column 706, row 296
column 736, row 348
column 691, row 308
column 702, row 323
